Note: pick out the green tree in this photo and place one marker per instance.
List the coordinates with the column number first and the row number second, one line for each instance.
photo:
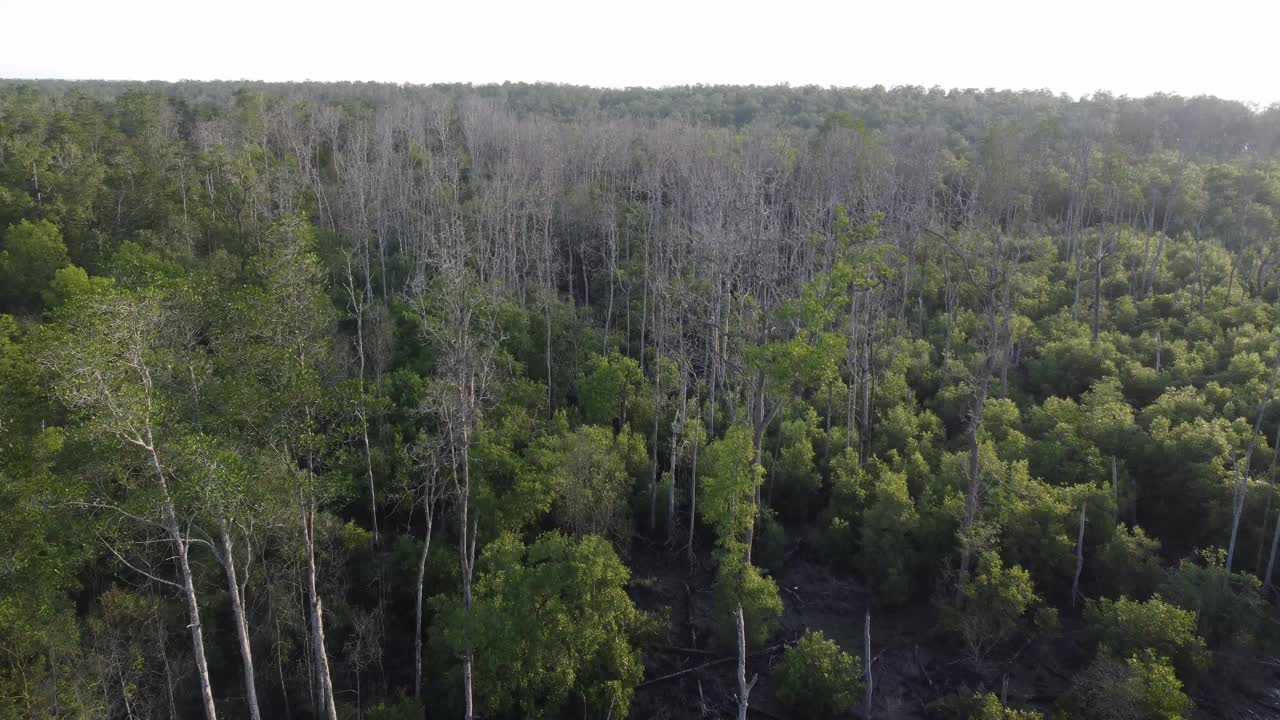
column 996, row 611
column 1129, row 563
column 1140, row 687
column 729, row 482
column 29, row 256
column 594, row 474
column 1124, row 627
column 552, row 628
column 740, row 585
column 817, row 679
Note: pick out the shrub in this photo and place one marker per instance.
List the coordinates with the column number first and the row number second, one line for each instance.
column 1129, row 563
column 740, row 583
column 996, row 610
column 1125, row 627
column 817, row 679
column 976, row 706
column 1141, row 687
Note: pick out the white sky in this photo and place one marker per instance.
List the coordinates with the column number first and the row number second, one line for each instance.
column 1229, row 48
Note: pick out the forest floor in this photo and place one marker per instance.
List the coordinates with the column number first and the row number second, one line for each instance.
column 913, row 666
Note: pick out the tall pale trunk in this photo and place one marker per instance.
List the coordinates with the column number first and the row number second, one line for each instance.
column 236, row 592
column 744, row 687
column 1242, row 473
column 417, row 611
column 1075, row 581
column 328, row 708
column 187, row 586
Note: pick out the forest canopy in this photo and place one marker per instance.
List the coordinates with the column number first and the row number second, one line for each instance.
column 357, row 400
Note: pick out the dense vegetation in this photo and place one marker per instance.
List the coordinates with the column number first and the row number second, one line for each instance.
column 541, row 401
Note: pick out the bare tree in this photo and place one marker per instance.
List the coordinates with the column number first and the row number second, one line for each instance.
column 459, row 319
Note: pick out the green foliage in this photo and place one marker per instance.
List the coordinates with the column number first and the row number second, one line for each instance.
column 174, row 260
column 609, row 387
column 593, row 473
column 770, row 543
column 1129, row 563
column 976, row 706
column 728, row 487
column 1125, row 627
column 1230, row 615
column 996, row 611
column 1139, row 687
column 741, row 584
column 887, row 552
column 794, row 476
column 552, row 628
column 817, row 679
column 29, row 257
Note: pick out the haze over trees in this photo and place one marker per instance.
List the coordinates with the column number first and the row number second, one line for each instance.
column 367, row 401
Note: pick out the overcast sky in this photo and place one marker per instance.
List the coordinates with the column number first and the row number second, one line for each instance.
column 1229, row 48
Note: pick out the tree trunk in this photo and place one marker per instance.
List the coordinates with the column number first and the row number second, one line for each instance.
column 1097, row 295
column 1266, row 512
column 869, row 680
column 971, row 495
column 693, row 490
column 744, row 687
column 181, row 546
column 1115, row 485
column 328, row 708
column 1242, row 485
column 1075, row 581
column 677, row 430
column 417, row 611
column 1271, row 560
column 657, row 413
column 468, row 566
column 236, row 593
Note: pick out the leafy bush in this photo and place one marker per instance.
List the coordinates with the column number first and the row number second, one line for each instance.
column 1124, row 627
column 552, row 627
column 1231, row 615
column 1129, row 563
column 740, row 583
column 997, row 610
column 1141, row 687
column 817, row 679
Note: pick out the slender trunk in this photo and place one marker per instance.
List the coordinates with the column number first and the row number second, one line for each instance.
column 1075, row 581
column 1242, row 485
column 328, row 708
column 868, row 680
column 657, row 413
column 1075, row 303
column 236, row 592
column 547, row 315
column 1271, row 560
column 1231, row 277
column 468, row 565
column 677, row 430
column 181, row 546
column 1097, row 295
column 693, row 489
column 417, row 609
column 1159, row 349
column 826, row 444
column 744, row 687
column 971, row 495
column 1266, row 512
column 1155, row 263
column 1115, row 485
